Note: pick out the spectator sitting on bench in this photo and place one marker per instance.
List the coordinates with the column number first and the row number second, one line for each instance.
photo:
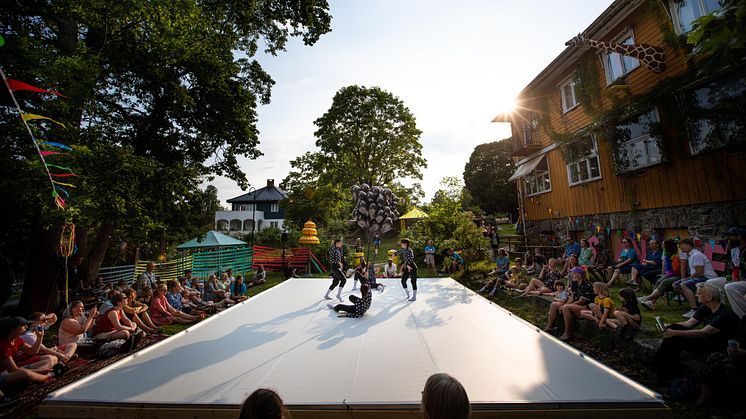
column 601, row 262
column 700, row 270
column 581, row 294
column 674, row 267
column 651, row 265
column 623, row 265
column 718, row 323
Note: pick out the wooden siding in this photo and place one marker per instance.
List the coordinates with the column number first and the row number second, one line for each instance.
column 682, row 180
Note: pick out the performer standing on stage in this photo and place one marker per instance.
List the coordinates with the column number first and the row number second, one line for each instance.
column 335, row 264
column 359, row 305
column 408, row 268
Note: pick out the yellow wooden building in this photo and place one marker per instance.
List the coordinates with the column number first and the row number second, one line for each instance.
column 619, row 134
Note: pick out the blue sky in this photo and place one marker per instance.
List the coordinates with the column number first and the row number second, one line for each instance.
column 455, row 65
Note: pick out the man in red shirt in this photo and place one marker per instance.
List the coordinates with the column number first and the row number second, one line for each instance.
column 34, row 368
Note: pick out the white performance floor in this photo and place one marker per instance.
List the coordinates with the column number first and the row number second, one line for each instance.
column 286, row 339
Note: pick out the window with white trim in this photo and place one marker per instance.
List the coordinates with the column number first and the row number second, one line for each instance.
column 274, row 207
column 274, row 224
column 584, row 165
column 567, row 94
column 685, row 12
column 640, row 149
column 617, row 65
column 537, row 181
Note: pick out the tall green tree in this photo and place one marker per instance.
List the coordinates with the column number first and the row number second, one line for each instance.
column 720, row 38
column 367, row 136
column 486, row 177
column 163, row 94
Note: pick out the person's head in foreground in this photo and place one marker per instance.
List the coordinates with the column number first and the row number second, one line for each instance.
column 445, row 398
column 263, row 404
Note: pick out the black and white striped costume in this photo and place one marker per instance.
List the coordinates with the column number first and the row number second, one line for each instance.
column 338, row 277
column 409, row 268
column 358, row 307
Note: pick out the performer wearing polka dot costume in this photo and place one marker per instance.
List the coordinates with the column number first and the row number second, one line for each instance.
column 408, row 268
column 359, row 305
column 335, row 265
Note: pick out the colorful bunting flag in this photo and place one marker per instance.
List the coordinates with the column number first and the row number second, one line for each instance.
column 16, row 85
column 32, row 116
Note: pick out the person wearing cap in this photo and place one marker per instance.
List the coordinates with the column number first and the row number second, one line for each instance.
column 700, row 270
column 12, row 346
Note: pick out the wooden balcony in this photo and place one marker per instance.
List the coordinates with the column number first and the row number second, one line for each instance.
column 527, row 142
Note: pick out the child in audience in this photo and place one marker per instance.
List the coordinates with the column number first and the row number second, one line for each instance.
column 560, row 295
column 263, row 404
column 626, row 320
column 602, row 306
column 545, row 283
column 517, row 276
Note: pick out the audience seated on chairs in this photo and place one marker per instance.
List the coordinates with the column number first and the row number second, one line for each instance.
column 623, row 265
column 15, row 353
column 75, row 324
column 138, row 312
column 263, row 404
column 260, row 277
column 238, row 290
column 445, row 398
column 700, row 270
column 43, row 321
column 674, row 267
column 545, row 283
column 581, row 294
column 718, row 321
column 162, row 313
column 651, row 265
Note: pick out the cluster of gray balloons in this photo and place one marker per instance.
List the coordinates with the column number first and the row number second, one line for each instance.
column 375, row 208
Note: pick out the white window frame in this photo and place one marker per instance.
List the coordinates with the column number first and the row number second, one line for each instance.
column 605, row 57
column 275, row 224
column 565, row 106
column 586, row 161
column 647, row 140
column 673, row 6
column 537, row 177
column 274, row 207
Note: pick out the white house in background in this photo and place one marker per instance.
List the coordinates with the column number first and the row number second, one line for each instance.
column 260, row 208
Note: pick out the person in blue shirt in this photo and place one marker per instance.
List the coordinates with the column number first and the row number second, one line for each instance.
column 571, row 248
column 648, row 267
column 238, row 290
column 623, row 265
column 456, row 261
column 430, row 250
column 175, row 298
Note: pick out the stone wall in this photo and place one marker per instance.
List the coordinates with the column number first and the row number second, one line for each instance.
column 707, row 221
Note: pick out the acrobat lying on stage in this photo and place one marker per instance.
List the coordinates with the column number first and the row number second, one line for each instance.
column 359, row 305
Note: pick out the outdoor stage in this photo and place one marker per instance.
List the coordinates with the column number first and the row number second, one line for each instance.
column 376, row 366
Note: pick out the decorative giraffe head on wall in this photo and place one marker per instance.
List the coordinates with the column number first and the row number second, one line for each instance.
column 653, row 57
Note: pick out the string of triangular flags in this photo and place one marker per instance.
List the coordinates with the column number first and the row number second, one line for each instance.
column 45, row 149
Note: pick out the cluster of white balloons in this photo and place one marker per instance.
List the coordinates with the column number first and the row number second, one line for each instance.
column 375, row 208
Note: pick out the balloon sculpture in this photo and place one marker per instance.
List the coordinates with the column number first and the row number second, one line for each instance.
column 375, row 209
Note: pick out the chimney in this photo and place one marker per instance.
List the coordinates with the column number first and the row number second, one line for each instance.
column 270, row 183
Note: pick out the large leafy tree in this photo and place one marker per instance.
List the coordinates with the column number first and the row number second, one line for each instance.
column 367, row 136
column 720, row 37
column 163, row 94
column 486, row 177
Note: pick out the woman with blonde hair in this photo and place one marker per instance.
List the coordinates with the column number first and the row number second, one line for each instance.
column 445, row 398
column 162, row 313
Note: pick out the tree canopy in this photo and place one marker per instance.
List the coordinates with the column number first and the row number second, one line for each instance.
column 486, row 177
column 163, row 94
column 366, row 136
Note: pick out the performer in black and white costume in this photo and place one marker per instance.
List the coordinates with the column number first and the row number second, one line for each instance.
column 359, row 304
column 408, row 268
column 335, row 264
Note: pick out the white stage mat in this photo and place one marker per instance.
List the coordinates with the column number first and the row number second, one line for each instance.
column 286, row 339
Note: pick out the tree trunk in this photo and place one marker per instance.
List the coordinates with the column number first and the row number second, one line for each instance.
column 41, row 283
column 98, row 251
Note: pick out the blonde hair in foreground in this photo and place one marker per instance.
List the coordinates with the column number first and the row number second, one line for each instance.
column 445, row 398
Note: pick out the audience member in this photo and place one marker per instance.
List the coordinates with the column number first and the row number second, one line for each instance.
column 724, row 373
column 445, row 398
column 626, row 320
column 238, row 290
column 16, row 354
column 651, row 265
column 260, row 277
column 107, row 305
column 674, row 266
column 176, row 299
column 455, row 261
column 700, row 270
column 718, row 323
column 736, row 289
column 213, row 293
column 42, row 321
column 113, row 323
column 430, row 250
column 147, row 278
column 146, row 296
column 75, row 324
column 162, row 313
column 229, row 275
column 389, row 270
column 601, row 262
column 570, row 264
column 623, row 265
column 545, row 283
column 517, row 276
column 581, row 294
column 572, row 248
column 138, row 312
column 530, row 263
column 502, row 263
column 600, row 309
column 263, row 404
